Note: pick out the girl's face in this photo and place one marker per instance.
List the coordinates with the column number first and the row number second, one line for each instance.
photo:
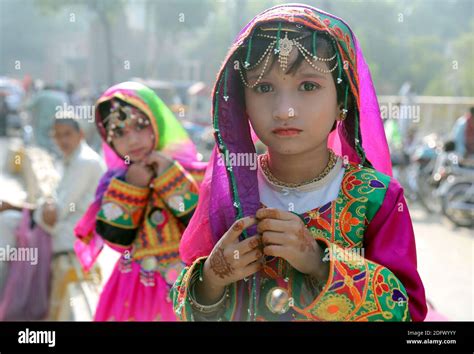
column 292, row 113
column 134, row 141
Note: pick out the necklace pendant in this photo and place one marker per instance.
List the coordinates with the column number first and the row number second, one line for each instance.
column 278, row 300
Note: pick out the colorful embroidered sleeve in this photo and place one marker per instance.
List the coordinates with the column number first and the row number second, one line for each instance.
column 177, row 188
column 390, row 241
column 379, row 284
column 182, row 304
column 179, row 292
column 121, row 212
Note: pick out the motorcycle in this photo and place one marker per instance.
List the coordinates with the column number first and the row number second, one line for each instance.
column 426, row 162
column 457, row 192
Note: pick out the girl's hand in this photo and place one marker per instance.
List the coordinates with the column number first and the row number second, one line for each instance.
column 285, row 235
column 158, row 161
column 139, row 174
column 229, row 261
column 232, row 260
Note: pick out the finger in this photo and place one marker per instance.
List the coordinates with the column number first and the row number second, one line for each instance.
column 249, row 244
column 154, row 165
column 274, row 238
column 272, row 225
column 137, row 166
column 151, row 158
column 146, row 168
column 275, row 251
column 236, row 229
column 250, row 257
column 273, row 213
column 252, row 268
column 157, row 157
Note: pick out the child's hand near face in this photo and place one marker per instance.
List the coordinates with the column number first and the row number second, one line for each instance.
column 285, row 235
column 158, row 161
column 139, row 174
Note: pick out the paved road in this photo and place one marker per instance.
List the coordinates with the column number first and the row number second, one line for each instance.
column 445, row 264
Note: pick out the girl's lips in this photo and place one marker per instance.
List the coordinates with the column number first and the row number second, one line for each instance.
column 286, row 131
column 137, row 152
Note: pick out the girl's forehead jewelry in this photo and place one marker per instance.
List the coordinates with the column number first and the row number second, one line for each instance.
column 283, row 48
column 122, row 116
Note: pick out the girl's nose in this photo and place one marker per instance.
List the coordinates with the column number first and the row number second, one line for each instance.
column 284, row 109
column 133, row 137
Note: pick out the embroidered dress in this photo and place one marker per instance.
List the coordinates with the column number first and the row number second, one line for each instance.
column 145, row 224
column 364, row 227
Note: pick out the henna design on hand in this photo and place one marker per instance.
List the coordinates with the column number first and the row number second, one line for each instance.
column 219, row 264
column 256, row 244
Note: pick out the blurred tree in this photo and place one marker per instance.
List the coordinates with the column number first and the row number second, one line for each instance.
column 106, row 12
column 463, row 61
column 429, row 43
column 175, row 26
column 23, row 37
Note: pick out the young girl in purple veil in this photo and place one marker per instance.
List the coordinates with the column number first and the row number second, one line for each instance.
column 316, row 229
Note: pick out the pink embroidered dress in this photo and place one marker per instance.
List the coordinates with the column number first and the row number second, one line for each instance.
column 145, row 224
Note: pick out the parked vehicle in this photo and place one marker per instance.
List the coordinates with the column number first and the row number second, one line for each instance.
column 457, row 193
column 424, row 163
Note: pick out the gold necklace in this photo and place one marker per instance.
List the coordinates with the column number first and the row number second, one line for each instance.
column 266, row 170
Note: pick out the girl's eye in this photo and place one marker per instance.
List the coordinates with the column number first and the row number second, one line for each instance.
column 263, row 88
column 118, row 133
column 309, row 86
column 140, row 126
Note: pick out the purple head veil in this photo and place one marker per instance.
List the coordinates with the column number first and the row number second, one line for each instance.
column 231, row 192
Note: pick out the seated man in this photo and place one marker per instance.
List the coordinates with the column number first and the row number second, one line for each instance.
column 56, row 217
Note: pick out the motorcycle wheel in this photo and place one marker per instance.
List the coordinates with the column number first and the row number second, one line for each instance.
column 455, row 194
column 426, row 195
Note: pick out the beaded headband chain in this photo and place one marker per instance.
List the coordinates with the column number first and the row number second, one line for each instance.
column 283, row 47
column 122, row 116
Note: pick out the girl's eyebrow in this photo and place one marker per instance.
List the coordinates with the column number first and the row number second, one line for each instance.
column 311, row 75
column 299, row 74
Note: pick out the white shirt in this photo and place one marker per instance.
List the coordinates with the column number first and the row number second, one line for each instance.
column 304, row 198
column 81, row 173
